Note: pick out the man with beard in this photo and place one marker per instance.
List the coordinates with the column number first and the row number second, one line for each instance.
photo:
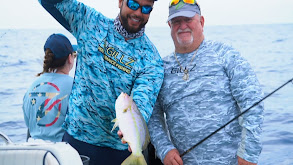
column 114, row 56
column 206, row 84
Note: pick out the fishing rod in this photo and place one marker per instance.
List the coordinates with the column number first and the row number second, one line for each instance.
column 3, row 34
column 191, row 148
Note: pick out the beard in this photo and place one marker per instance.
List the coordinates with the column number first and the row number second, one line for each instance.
column 129, row 28
column 184, row 42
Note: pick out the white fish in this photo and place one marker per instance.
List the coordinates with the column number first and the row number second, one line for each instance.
column 134, row 128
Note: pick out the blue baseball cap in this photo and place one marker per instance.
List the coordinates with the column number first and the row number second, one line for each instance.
column 60, row 45
column 184, row 10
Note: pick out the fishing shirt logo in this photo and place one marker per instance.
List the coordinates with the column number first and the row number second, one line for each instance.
column 45, row 108
column 175, row 70
column 116, row 57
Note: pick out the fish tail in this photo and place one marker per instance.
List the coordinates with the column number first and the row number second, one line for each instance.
column 134, row 160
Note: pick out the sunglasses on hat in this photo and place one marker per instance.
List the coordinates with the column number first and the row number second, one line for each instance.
column 133, row 5
column 175, row 2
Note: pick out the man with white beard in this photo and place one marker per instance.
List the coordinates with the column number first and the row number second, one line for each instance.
column 206, row 84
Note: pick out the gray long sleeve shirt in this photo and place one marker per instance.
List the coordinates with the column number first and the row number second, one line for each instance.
column 221, row 85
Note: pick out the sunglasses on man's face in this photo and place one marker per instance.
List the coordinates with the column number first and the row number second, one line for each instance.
column 175, row 2
column 133, row 5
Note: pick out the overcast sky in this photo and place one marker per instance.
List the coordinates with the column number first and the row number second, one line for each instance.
column 30, row 14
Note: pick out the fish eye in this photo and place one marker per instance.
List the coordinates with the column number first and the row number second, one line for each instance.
column 124, row 110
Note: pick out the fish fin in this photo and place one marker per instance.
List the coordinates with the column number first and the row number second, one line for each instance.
column 115, row 125
column 134, row 160
column 114, row 120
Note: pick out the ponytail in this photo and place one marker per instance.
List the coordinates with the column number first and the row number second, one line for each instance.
column 50, row 65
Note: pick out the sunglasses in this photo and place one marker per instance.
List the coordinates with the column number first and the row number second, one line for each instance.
column 175, row 2
column 133, row 5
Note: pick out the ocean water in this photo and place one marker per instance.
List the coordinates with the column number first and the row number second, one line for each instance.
column 268, row 48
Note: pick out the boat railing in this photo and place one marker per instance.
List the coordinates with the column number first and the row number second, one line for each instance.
column 5, row 138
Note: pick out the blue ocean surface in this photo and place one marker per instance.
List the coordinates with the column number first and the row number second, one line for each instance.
column 268, row 48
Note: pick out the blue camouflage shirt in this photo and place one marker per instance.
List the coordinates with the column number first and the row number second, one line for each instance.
column 221, row 85
column 106, row 66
